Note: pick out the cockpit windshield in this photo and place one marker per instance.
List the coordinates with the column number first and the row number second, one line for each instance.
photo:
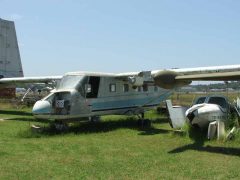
column 219, row 101
column 69, row 82
column 200, row 100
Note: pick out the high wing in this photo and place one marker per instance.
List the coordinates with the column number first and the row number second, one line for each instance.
column 171, row 78
column 25, row 80
column 217, row 73
column 179, row 77
column 218, row 76
column 166, row 78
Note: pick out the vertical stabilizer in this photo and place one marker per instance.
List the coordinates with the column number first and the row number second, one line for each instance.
column 10, row 61
column 177, row 115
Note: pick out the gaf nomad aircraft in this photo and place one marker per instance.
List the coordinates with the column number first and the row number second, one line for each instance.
column 91, row 94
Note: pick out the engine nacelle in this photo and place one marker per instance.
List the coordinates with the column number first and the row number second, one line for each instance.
column 136, row 81
column 166, row 79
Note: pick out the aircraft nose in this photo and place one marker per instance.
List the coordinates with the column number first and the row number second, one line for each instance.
column 41, row 107
column 191, row 115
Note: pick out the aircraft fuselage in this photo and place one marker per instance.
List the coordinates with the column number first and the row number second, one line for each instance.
column 89, row 95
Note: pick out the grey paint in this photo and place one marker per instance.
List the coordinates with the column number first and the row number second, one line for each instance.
column 10, row 62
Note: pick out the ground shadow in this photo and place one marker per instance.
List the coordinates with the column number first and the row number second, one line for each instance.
column 160, row 120
column 101, row 127
column 153, row 131
column 13, row 112
column 26, row 119
column 211, row 149
column 198, row 145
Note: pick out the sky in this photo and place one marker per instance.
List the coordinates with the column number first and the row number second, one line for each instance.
column 58, row 36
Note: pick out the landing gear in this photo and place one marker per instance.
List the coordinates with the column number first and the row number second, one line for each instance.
column 60, row 126
column 94, row 119
column 142, row 122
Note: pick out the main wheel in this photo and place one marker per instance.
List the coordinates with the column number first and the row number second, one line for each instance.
column 144, row 123
column 94, row 119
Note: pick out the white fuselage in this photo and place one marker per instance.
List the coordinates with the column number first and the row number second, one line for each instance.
column 106, row 95
column 208, row 109
column 203, row 114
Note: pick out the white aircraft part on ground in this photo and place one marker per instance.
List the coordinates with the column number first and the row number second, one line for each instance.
column 177, row 115
column 202, row 114
column 216, row 128
column 238, row 103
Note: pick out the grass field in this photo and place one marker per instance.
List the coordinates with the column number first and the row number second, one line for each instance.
column 115, row 148
column 188, row 98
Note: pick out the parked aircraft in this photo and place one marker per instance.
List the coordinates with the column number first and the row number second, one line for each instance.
column 91, row 94
column 85, row 94
column 207, row 109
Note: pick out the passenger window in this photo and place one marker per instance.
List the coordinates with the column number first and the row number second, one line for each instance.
column 112, row 87
column 139, row 88
column 125, row 88
column 145, row 87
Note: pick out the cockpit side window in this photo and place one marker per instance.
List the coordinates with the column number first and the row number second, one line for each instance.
column 219, row 101
column 69, row 82
column 82, row 86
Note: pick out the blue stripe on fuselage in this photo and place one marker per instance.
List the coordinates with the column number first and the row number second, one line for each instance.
column 131, row 102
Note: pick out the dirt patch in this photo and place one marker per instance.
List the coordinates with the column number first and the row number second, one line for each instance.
column 4, row 119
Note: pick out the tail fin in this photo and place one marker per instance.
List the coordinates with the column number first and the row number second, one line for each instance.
column 10, row 61
column 177, row 115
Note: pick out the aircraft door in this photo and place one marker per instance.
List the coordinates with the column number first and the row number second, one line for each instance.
column 89, row 92
column 93, row 87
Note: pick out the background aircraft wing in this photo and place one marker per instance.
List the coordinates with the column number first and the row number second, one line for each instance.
column 25, row 80
column 218, row 76
column 172, row 78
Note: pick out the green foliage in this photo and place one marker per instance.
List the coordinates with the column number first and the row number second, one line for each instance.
column 193, row 133
column 236, row 136
column 233, row 121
